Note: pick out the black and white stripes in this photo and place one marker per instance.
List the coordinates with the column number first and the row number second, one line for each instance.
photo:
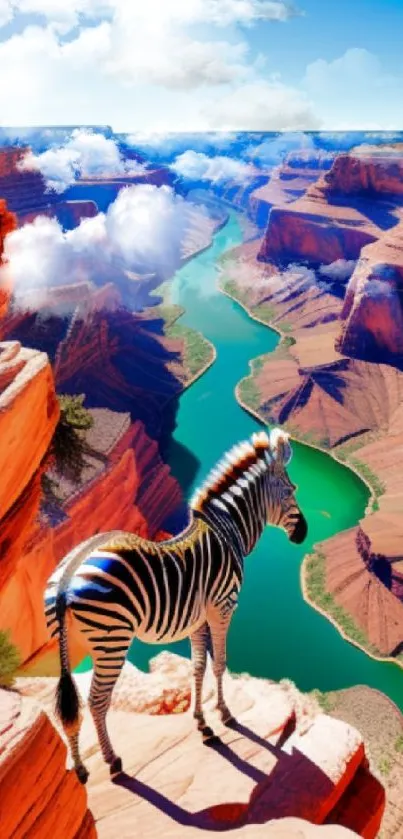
column 117, row 586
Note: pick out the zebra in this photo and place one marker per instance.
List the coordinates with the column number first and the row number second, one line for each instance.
column 117, row 585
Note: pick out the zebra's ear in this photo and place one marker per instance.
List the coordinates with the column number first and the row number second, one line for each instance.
column 280, row 445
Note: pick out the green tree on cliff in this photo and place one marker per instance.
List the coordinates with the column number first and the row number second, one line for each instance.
column 68, row 447
column 9, row 660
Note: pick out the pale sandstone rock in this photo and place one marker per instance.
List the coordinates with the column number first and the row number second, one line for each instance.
column 257, row 773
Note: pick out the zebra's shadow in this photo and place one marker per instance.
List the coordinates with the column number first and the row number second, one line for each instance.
column 204, row 819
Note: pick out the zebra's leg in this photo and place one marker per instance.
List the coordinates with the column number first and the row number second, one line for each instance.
column 107, row 668
column 81, row 770
column 199, row 658
column 219, row 628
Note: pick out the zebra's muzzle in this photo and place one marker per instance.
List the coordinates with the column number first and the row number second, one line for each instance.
column 300, row 531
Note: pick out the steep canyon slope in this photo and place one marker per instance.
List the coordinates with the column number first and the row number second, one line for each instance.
column 328, row 275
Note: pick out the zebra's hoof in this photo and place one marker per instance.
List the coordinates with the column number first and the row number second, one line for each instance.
column 116, row 767
column 208, row 734
column 82, row 774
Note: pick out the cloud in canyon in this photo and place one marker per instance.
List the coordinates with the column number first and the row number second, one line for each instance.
column 198, row 166
column 340, row 270
column 86, row 153
column 142, row 231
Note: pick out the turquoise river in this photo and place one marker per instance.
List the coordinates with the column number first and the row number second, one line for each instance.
column 274, row 633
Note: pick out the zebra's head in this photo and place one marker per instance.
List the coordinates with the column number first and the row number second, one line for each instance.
column 282, row 508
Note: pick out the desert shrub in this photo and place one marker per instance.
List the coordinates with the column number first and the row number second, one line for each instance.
column 9, row 660
column 68, row 447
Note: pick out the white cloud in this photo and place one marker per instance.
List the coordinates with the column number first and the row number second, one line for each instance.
column 356, row 64
column 199, row 166
column 172, row 59
column 354, row 92
column 274, row 149
column 6, row 12
column 142, row 231
column 160, row 48
column 164, row 147
column 380, row 288
column 86, row 153
column 262, row 106
column 340, row 270
column 215, row 12
column 62, row 15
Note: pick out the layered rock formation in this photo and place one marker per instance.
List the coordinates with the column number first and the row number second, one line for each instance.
column 337, row 216
column 314, row 230
column 24, row 191
column 38, row 796
column 68, row 213
column 359, row 587
column 330, row 402
column 336, row 379
column 374, row 170
column 124, row 485
column 8, row 222
column 28, row 415
column 373, row 306
column 288, row 182
column 282, row 759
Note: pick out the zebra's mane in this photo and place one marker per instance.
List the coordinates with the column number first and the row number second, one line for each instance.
column 239, row 462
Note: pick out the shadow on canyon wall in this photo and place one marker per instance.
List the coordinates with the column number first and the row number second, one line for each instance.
column 120, row 361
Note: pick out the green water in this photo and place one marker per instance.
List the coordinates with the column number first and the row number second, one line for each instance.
column 273, row 633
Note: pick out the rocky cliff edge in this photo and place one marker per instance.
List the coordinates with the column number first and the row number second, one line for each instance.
column 282, row 760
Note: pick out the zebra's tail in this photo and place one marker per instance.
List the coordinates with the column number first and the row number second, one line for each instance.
column 67, row 699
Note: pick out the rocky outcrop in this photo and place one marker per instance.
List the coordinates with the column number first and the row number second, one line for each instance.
column 68, row 213
column 124, row 485
column 281, row 759
column 374, row 170
column 38, row 796
column 337, row 217
column 314, row 230
column 292, row 297
column 336, row 380
column 361, row 590
column 8, row 222
column 373, row 306
column 384, row 528
column 24, row 191
column 287, row 182
column 28, row 415
column 330, row 402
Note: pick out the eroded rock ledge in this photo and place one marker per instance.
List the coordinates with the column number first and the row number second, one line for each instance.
column 283, row 759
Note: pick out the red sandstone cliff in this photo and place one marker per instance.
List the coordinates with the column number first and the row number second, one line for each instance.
column 373, row 306
column 28, row 415
column 329, row 383
column 287, row 182
column 38, row 796
column 8, row 222
column 337, row 216
column 314, row 230
column 24, row 191
column 124, row 485
column 68, row 213
column 377, row 170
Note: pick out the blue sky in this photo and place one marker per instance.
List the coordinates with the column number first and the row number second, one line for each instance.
column 166, row 65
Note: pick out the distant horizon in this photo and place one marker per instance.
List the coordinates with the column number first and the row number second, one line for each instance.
column 141, row 132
